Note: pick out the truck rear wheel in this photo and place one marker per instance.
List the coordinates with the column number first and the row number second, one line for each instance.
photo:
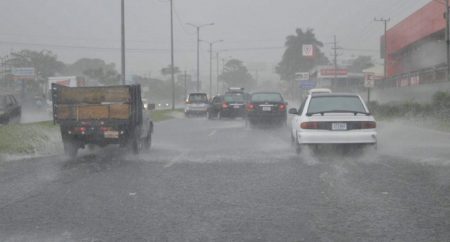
column 136, row 145
column 148, row 141
column 70, row 148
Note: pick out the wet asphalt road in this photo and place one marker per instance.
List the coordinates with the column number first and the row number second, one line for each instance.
column 220, row 181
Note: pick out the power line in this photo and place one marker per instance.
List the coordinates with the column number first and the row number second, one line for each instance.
column 87, row 47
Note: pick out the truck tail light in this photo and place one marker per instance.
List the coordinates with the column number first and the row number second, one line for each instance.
column 79, row 130
column 225, row 105
column 309, row 125
column 250, row 107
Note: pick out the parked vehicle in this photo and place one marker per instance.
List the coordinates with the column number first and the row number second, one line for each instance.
column 196, row 104
column 332, row 119
column 230, row 105
column 101, row 116
column 266, row 107
column 10, row 109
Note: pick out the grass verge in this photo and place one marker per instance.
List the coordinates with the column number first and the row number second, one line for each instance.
column 161, row 115
column 26, row 138
column 42, row 137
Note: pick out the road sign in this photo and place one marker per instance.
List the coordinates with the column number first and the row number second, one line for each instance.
column 369, row 83
column 370, row 78
column 24, row 73
column 308, row 50
column 308, row 84
column 331, row 73
column 302, row 76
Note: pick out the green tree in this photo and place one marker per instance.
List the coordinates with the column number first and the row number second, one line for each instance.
column 166, row 70
column 236, row 74
column 293, row 60
column 361, row 63
column 95, row 69
column 45, row 62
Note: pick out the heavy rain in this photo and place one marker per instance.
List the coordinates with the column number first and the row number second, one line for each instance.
column 212, row 120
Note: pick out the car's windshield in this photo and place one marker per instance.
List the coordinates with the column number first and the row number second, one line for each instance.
column 234, row 97
column 266, row 97
column 335, row 103
column 198, row 98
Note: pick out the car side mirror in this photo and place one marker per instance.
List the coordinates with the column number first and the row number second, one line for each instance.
column 151, row 106
column 293, row 111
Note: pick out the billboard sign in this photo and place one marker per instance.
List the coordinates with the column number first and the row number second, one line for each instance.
column 24, row 73
column 331, row 73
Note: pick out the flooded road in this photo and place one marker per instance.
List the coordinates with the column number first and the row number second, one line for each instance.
column 221, row 181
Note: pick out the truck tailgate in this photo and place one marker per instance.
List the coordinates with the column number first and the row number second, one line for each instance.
column 93, row 111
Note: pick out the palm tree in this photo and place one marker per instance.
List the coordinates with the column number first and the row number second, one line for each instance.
column 293, row 60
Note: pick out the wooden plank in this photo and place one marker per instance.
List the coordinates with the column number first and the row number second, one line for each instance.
column 93, row 112
column 89, row 112
column 94, row 95
column 119, row 111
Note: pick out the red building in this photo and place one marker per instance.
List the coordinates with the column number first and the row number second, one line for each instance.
column 416, row 47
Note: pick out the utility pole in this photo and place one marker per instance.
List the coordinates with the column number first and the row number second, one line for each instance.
column 123, row 41
column 385, row 21
column 447, row 37
column 210, row 63
column 335, row 54
column 335, row 58
column 217, row 78
column 172, row 65
column 197, row 27
column 185, row 83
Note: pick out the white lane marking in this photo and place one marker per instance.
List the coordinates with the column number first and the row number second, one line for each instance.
column 176, row 159
column 212, row 133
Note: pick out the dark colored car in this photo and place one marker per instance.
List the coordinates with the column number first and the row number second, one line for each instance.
column 10, row 109
column 196, row 104
column 230, row 105
column 266, row 107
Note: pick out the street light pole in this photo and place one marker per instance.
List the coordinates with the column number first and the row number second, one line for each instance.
column 197, row 27
column 217, row 78
column 210, row 63
column 172, row 65
column 123, row 41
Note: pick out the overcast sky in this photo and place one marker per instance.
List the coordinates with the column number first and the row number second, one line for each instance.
column 91, row 28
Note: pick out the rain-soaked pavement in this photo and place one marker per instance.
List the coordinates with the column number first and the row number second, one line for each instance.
column 220, row 181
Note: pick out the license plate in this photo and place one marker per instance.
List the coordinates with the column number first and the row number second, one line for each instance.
column 266, row 108
column 111, row 134
column 236, row 106
column 339, row 126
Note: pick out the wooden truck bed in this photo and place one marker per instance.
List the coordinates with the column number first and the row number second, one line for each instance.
column 88, row 103
column 93, row 111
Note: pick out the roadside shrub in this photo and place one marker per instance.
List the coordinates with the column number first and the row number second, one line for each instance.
column 438, row 108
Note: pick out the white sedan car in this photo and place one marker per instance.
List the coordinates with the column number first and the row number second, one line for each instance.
column 333, row 118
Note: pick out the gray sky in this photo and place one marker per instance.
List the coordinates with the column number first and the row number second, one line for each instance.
column 91, row 28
